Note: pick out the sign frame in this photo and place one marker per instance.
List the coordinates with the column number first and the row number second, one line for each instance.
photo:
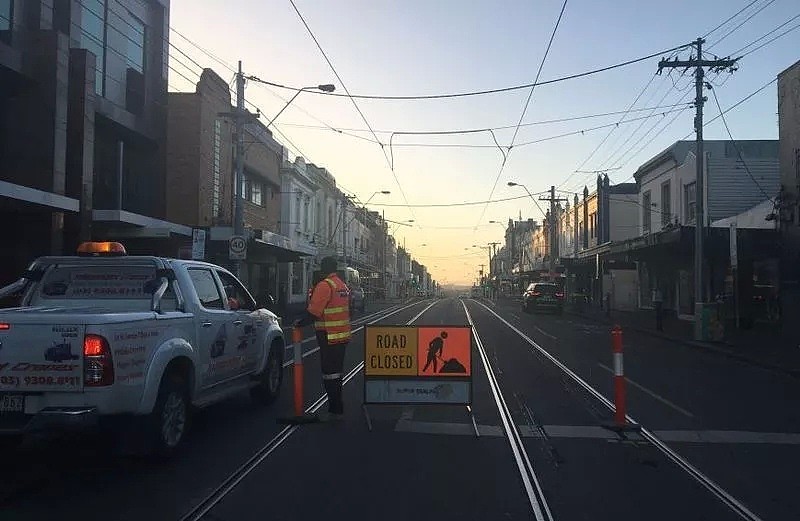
column 468, row 379
column 234, row 251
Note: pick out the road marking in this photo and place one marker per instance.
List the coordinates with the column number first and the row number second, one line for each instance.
column 545, row 333
column 583, row 432
column 731, row 502
column 530, row 481
column 651, row 394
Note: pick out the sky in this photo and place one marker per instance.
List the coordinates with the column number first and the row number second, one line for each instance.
column 422, row 47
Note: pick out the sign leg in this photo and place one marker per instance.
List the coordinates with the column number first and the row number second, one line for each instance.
column 366, row 416
column 474, row 423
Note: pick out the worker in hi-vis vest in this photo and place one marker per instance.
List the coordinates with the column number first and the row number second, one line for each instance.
column 329, row 310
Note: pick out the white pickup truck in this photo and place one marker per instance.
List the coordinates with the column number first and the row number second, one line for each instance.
column 132, row 339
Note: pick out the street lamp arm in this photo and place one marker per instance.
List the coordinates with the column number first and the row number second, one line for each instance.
column 286, row 106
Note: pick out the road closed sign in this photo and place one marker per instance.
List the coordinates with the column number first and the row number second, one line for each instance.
column 418, row 364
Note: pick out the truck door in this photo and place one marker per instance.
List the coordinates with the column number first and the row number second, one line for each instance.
column 247, row 330
column 213, row 325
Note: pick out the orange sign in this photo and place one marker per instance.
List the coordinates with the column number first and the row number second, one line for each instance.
column 444, row 351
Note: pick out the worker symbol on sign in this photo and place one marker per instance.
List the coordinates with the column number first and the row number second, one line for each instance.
column 436, row 353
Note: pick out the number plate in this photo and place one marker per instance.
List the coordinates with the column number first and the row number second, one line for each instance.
column 12, row 403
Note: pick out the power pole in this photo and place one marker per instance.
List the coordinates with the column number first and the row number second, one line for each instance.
column 699, row 63
column 238, row 210
column 344, row 231
column 553, row 224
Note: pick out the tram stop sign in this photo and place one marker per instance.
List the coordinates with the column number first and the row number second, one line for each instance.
column 418, row 365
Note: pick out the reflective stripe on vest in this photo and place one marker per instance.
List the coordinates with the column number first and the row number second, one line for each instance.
column 335, row 320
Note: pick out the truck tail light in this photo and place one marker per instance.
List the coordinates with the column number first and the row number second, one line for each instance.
column 98, row 367
column 559, row 295
column 536, row 294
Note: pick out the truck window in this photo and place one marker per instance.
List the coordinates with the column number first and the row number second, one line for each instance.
column 206, row 288
column 238, row 297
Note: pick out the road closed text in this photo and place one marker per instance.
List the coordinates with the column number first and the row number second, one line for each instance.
column 391, row 351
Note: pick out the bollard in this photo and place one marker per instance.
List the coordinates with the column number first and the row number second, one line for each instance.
column 620, row 422
column 297, row 376
column 297, row 371
column 619, row 376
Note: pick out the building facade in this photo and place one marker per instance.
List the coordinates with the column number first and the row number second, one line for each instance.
column 83, row 97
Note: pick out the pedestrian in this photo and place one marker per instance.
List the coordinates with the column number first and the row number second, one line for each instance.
column 329, row 310
column 658, row 303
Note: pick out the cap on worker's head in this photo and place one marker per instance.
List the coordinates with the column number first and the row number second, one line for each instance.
column 328, row 265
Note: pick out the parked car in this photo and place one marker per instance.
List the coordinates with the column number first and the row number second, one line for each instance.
column 135, row 342
column 541, row 296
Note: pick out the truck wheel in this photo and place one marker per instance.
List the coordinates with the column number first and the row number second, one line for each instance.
column 269, row 382
column 170, row 417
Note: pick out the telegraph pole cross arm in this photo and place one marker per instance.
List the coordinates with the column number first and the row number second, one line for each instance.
column 717, row 65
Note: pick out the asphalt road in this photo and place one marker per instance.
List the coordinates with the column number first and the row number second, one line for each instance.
column 725, row 442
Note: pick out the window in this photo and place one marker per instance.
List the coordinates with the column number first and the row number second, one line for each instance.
column 256, row 192
column 689, row 201
column 306, row 216
column 666, row 204
column 93, row 37
column 206, row 288
column 238, row 297
column 592, row 225
column 134, row 30
column 6, row 13
column 297, row 278
column 217, row 184
column 646, row 211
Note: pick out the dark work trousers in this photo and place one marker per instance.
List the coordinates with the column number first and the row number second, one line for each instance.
column 332, row 356
column 659, row 316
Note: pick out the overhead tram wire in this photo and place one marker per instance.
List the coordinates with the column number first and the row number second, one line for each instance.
column 525, row 108
column 487, row 91
column 358, row 109
column 784, row 33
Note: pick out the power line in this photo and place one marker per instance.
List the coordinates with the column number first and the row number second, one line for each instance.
column 751, row 51
column 488, row 91
column 524, row 108
column 347, row 91
column 767, row 4
column 736, row 147
column 787, row 22
column 602, row 142
column 740, row 11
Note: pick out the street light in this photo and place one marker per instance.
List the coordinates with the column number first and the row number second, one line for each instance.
column 324, row 88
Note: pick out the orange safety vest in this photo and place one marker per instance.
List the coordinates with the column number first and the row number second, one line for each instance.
column 330, row 303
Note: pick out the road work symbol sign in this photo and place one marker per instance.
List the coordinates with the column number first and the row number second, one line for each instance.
column 418, row 364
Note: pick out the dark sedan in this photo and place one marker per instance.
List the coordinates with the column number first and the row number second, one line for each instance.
column 543, row 296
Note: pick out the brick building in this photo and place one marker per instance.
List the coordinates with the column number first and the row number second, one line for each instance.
column 200, row 175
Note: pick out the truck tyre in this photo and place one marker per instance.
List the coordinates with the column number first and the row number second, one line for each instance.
column 269, row 381
column 170, row 417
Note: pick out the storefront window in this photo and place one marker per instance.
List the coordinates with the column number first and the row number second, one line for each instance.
column 298, row 288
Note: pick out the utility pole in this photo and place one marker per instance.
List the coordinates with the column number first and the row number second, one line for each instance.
column 383, row 261
column 344, row 231
column 493, row 256
column 238, row 210
column 718, row 65
column 553, row 224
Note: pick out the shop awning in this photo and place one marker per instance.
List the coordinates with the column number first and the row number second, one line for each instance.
column 129, row 224
column 753, row 219
column 38, row 197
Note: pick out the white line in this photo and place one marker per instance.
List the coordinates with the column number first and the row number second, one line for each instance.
column 524, row 465
column 651, row 393
column 730, row 501
column 545, row 333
